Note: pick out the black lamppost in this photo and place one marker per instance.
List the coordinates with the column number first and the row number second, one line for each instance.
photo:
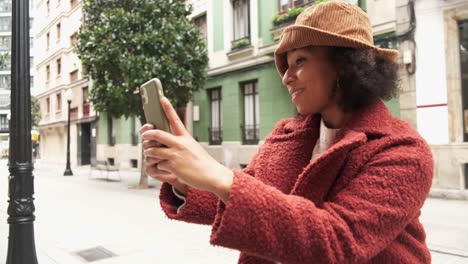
column 21, row 246
column 68, row 171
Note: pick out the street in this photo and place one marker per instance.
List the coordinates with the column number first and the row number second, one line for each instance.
column 81, row 212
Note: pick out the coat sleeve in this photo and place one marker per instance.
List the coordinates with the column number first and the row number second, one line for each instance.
column 350, row 227
column 200, row 206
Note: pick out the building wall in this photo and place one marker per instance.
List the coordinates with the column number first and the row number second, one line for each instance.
column 431, row 88
column 228, row 71
column 59, row 46
column 272, row 107
column 123, row 152
column 438, row 88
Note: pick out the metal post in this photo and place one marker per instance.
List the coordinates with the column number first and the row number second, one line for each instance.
column 21, row 246
column 68, row 171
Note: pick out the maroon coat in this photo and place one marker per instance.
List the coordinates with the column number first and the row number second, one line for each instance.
column 357, row 203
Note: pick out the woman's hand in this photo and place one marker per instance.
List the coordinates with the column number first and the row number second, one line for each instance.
column 151, row 168
column 184, row 157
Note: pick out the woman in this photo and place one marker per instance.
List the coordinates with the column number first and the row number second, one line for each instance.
column 342, row 182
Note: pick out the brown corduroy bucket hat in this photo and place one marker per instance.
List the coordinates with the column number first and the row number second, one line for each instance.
column 334, row 24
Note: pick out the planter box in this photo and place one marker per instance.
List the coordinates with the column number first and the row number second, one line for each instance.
column 278, row 30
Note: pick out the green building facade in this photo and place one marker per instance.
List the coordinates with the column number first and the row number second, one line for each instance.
column 241, row 61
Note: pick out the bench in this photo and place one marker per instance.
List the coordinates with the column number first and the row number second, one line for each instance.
column 104, row 165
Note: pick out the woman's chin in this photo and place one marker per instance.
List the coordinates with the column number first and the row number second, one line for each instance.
column 302, row 111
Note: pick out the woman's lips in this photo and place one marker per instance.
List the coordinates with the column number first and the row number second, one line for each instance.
column 295, row 95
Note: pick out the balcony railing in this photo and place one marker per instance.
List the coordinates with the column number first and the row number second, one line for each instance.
column 216, row 135
column 85, row 109
column 250, row 134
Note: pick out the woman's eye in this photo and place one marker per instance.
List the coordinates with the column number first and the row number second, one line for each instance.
column 300, row 61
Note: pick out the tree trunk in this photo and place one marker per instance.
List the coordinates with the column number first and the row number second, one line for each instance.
column 143, row 184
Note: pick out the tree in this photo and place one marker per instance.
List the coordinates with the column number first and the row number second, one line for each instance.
column 4, row 57
column 124, row 43
column 35, row 112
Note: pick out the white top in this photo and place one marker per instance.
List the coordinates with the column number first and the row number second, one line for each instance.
column 325, row 140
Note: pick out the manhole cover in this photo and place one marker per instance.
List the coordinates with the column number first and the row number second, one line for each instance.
column 96, row 253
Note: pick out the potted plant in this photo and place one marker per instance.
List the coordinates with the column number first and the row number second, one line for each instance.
column 285, row 17
column 240, row 43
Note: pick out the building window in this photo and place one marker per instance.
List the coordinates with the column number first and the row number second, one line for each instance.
column 31, row 81
column 5, row 24
column 85, row 95
column 216, row 115
column 47, row 105
column 241, row 19
column 31, row 62
column 47, row 40
column 31, row 42
column 48, row 72
column 58, row 107
column 59, row 67
column 48, row 6
column 463, row 32
column 5, row 43
column 202, row 26
column 5, row 6
column 59, row 29
column 73, row 3
column 5, row 82
column 73, row 39
column 85, row 101
column 31, row 23
column 4, row 123
column 73, row 75
column 250, row 127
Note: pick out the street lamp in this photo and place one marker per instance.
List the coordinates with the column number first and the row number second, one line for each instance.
column 69, row 97
column 21, row 245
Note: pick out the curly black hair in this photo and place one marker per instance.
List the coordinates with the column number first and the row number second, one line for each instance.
column 363, row 77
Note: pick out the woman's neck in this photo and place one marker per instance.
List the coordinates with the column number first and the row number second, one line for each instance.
column 334, row 117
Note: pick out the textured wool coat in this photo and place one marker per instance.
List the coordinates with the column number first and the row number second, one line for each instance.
column 359, row 202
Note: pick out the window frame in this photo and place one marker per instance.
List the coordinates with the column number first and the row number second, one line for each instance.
column 211, row 130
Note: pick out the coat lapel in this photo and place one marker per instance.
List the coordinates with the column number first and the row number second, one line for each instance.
column 320, row 174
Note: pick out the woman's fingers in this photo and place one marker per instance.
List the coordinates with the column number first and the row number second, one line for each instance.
column 145, row 128
column 151, row 144
column 174, row 121
column 160, row 153
column 160, row 175
column 162, row 137
column 149, row 161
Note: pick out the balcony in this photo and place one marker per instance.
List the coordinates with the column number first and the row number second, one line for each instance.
column 216, row 135
column 250, row 134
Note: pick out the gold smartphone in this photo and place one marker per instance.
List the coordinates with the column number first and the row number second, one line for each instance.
column 151, row 93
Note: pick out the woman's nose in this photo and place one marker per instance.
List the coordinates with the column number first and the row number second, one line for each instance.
column 288, row 77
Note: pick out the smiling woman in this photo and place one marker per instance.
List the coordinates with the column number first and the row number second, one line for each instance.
column 341, row 182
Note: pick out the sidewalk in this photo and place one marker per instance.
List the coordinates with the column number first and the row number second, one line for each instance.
column 78, row 213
